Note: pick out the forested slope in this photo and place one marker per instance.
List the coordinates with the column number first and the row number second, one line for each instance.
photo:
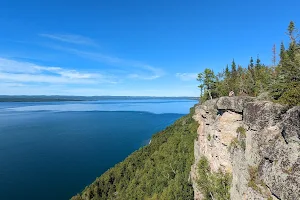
column 157, row 171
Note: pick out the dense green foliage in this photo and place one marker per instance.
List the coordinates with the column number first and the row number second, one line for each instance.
column 281, row 81
column 159, row 170
column 213, row 186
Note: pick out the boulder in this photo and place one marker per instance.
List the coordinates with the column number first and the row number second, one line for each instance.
column 235, row 104
column 261, row 114
column 291, row 125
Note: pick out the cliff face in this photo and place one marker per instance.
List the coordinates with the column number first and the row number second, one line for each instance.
column 258, row 142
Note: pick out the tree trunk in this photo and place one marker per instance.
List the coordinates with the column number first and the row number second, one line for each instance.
column 209, row 94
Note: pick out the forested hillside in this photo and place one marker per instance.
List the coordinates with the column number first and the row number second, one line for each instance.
column 279, row 82
column 159, row 170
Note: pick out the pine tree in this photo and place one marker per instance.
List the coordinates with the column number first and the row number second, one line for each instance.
column 274, row 55
column 227, row 72
column 282, row 53
column 233, row 69
column 241, row 80
column 291, row 31
column 287, row 86
column 291, row 62
column 251, row 65
column 201, row 86
column 233, row 81
column 208, row 82
column 257, row 65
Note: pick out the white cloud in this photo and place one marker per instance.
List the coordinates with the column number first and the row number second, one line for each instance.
column 25, row 72
column 72, row 74
column 187, row 76
column 145, row 71
column 39, row 78
column 135, row 69
column 13, row 84
column 69, row 38
column 7, row 65
column 143, row 77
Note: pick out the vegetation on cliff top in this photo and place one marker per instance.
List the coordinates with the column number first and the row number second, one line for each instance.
column 281, row 80
column 159, row 170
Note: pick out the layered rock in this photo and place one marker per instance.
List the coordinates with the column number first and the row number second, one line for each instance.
column 264, row 161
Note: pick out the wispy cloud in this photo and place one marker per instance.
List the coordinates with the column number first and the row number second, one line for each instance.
column 187, row 76
column 132, row 69
column 143, row 77
column 69, row 38
column 18, row 72
column 136, row 69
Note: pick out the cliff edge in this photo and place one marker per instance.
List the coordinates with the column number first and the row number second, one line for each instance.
column 257, row 142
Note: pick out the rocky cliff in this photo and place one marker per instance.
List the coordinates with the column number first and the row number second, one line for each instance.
column 257, row 142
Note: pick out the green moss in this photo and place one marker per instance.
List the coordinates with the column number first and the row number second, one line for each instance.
column 213, row 185
column 241, row 131
column 234, row 143
column 254, row 186
column 289, row 170
column 253, row 172
column 209, row 137
column 254, row 181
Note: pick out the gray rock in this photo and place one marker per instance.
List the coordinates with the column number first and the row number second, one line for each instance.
column 261, row 114
column 291, row 125
column 235, row 104
column 272, row 146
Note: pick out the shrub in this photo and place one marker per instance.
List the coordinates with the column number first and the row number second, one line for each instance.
column 240, row 140
column 214, row 186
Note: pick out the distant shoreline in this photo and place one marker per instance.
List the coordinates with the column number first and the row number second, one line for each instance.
column 20, row 98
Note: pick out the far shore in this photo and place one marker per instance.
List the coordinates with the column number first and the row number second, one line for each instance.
column 42, row 98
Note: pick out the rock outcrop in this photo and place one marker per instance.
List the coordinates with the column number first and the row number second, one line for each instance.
column 264, row 158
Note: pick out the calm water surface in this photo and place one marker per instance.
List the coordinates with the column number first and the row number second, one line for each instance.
column 53, row 150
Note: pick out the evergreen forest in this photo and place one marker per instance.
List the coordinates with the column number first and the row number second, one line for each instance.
column 279, row 82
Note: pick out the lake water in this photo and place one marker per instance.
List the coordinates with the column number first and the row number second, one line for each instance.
column 53, row 150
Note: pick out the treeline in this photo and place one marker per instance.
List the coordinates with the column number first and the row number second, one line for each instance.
column 157, row 171
column 279, row 82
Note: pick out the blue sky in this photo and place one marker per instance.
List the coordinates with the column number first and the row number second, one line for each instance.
column 132, row 47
